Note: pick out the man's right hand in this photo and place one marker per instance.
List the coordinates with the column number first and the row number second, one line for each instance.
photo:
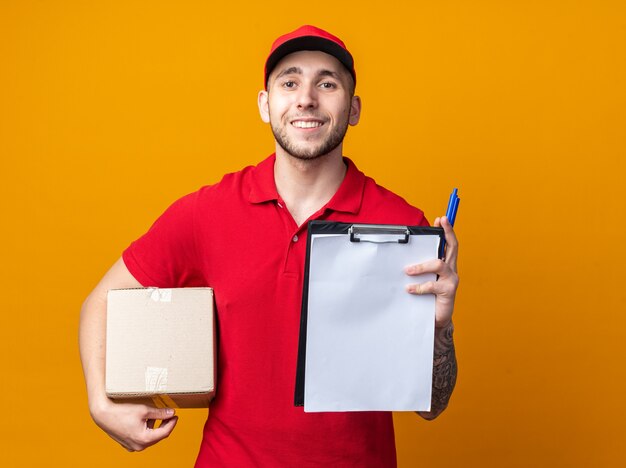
column 132, row 425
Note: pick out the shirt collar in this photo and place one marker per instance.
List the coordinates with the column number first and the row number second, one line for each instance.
column 350, row 193
column 262, row 184
column 347, row 198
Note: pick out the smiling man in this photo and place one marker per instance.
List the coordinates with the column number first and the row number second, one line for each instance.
column 312, row 104
column 309, row 102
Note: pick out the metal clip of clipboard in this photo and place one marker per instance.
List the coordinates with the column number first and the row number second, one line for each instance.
column 369, row 232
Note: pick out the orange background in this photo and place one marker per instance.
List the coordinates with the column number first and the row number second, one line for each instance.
column 109, row 111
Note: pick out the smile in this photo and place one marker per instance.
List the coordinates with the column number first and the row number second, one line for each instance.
column 306, row 124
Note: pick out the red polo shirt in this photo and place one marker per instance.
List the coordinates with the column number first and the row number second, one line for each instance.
column 238, row 237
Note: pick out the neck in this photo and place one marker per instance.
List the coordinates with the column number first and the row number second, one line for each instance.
column 306, row 186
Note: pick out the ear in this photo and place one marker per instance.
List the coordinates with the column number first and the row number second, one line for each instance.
column 355, row 110
column 263, row 103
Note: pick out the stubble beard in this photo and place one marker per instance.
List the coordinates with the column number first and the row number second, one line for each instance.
column 331, row 142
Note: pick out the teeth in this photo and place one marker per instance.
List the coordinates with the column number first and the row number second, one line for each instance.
column 302, row 124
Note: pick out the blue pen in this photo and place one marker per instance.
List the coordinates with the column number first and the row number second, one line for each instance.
column 454, row 210
column 453, row 206
column 451, row 201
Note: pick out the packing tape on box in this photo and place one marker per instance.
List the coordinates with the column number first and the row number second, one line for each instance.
column 156, row 379
column 161, row 295
column 163, row 401
column 156, row 382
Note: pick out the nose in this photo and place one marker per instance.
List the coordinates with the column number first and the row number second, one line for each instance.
column 307, row 96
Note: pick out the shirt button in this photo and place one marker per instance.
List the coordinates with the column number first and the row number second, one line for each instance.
column 295, row 238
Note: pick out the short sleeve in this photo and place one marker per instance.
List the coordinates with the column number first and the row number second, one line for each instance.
column 166, row 255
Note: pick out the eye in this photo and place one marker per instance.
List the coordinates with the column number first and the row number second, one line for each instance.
column 289, row 84
column 328, row 85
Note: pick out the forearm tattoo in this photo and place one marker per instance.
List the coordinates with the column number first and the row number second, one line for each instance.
column 444, row 372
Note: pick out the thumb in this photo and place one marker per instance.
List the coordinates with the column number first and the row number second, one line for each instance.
column 158, row 413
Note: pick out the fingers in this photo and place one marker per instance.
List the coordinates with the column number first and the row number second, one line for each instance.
column 446, row 284
column 440, row 267
column 150, row 435
column 429, row 287
column 436, row 265
column 166, row 428
column 439, row 288
column 133, row 426
column 160, row 422
column 158, row 413
column 452, row 244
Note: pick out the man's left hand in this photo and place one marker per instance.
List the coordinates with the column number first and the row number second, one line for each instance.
column 446, row 285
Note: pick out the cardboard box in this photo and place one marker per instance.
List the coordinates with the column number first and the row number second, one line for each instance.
column 160, row 346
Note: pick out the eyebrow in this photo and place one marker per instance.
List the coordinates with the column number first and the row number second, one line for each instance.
column 290, row 71
column 298, row 71
column 328, row 73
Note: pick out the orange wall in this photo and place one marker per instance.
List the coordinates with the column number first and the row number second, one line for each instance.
column 111, row 110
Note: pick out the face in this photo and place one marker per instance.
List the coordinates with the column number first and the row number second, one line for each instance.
column 309, row 104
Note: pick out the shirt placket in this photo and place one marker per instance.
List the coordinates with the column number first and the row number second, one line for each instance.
column 295, row 240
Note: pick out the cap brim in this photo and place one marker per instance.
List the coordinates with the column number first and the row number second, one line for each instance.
column 309, row 43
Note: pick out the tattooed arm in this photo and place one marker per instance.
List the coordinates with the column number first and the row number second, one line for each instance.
column 444, row 372
column 444, row 289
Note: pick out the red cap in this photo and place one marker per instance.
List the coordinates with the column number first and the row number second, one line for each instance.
column 308, row 38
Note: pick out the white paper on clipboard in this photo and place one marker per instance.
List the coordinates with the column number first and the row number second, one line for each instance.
column 369, row 344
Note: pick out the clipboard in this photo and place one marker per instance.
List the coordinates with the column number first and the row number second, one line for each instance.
column 365, row 344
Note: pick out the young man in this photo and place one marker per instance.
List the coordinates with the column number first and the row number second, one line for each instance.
column 201, row 240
